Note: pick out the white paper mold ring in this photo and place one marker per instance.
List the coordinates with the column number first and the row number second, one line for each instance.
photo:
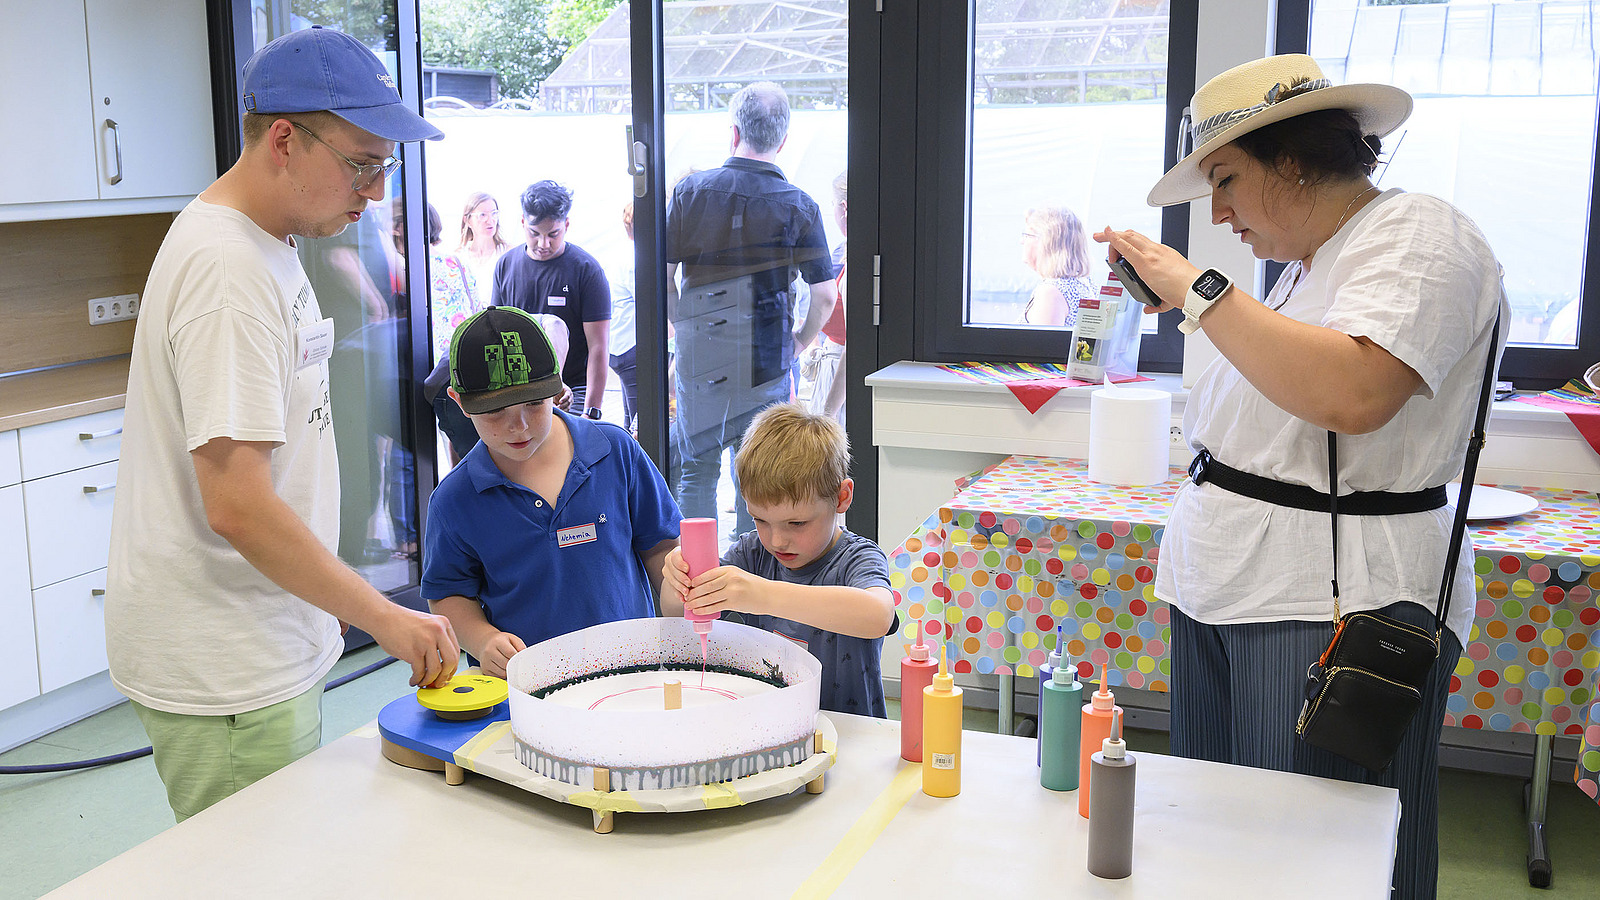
column 652, row 747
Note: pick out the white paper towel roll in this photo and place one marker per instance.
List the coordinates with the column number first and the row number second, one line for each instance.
column 1128, row 435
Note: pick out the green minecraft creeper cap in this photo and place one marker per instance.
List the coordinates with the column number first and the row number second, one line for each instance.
column 500, row 357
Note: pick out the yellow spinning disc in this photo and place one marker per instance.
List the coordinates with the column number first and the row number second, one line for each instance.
column 467, row 692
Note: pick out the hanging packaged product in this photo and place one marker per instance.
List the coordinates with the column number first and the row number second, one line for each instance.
column 1105, row 339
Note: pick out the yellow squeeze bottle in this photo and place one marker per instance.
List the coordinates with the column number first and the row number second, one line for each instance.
column 941, row 733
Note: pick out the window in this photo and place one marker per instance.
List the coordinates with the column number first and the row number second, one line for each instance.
column 1504, row 128
column 1062, row 106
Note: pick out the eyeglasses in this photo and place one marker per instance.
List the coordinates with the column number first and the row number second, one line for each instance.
column 366, row 174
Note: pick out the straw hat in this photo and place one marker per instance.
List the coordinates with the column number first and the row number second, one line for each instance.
column 1259, row 93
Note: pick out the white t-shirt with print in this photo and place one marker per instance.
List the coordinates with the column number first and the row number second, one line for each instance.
column 1416, row 277
column 191, row 626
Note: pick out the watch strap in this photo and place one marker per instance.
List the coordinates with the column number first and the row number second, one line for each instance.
column 1195, row 303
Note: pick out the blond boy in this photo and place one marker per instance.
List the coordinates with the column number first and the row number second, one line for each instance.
column 800, row 573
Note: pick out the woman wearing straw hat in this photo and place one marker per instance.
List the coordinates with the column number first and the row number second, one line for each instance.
column 1378, row 331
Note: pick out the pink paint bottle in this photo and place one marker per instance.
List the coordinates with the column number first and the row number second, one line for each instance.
column 916, row 673
column 698, row 542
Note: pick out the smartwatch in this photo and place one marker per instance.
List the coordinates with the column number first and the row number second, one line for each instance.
column 1206, row 290
column 592, row 412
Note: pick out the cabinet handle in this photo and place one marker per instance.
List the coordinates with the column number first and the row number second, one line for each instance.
column 715, row 322
column 116, row 145
column 95, row 436
column 97, row 592
column 718, row 380
column 99, row 488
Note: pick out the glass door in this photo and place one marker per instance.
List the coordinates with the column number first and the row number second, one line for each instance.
column 360, row 277
column 750, row 198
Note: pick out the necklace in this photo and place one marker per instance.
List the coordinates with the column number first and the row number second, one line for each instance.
column 1346, row 213
column 1306, row 263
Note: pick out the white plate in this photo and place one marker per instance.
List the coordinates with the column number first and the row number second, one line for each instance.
column 1493, row 503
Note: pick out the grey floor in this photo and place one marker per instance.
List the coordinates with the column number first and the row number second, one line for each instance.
column 54, row 827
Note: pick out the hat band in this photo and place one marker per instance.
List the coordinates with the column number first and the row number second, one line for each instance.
column 1210, row 127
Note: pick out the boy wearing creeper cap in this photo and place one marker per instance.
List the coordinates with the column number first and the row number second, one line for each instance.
column 552, row 522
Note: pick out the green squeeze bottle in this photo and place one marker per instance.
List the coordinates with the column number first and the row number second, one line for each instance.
column 1060, row 728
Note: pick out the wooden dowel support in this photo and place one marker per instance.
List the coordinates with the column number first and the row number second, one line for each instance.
column 814, row 786
column 603, row 821
column 672, row 693
column 454, row 774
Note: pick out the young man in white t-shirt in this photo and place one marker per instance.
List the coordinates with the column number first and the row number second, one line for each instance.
column 226, row 603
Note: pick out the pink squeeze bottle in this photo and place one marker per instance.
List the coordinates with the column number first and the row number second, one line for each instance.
column 697, row 541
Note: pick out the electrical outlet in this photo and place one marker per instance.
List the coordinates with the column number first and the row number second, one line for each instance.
column 121, row 308
column 1175, row 437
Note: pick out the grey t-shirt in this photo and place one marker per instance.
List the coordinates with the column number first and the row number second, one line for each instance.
column 852, row 680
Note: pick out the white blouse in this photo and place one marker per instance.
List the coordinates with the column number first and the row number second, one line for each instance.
column 1416, row 277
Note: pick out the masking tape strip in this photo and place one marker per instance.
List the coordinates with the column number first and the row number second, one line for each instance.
column 481, row 742
column 605, row 801
column 365, row 731
column 720, row 796
column 826, row 878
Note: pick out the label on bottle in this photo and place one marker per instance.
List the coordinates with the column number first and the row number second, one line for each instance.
column 944, row 761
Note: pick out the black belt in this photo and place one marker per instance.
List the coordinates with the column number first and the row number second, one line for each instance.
column 1298, row 496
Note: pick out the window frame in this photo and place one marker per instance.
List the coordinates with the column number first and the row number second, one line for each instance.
column 1531, row 368
column 944, row 138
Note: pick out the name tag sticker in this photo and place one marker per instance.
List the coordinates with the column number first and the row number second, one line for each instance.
column 578, row 534
column 555, row 300
column 313, row 343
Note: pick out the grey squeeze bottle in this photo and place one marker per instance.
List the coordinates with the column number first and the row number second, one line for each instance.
column 1111, row 776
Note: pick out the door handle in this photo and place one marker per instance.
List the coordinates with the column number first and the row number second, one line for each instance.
column 116, row 146
column 99, row 488
column 95, row 436
column 637, row 154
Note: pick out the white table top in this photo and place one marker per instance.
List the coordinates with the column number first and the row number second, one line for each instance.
column 346, row 823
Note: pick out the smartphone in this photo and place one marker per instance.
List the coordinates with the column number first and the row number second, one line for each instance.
column 1133, row 283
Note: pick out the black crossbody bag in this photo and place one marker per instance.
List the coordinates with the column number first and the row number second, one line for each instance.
column 1365, row 688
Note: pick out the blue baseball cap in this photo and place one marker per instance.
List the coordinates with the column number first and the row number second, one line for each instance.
column 322, row 69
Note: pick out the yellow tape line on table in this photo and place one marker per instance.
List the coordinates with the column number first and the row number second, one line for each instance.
column 855, row 843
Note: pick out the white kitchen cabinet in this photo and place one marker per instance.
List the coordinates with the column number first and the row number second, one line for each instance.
column 69, row 522
column 10, row 463
column 69, row 444
column 55, row 535
column 72, row 67
column 49, row 152
column 150, row 72
column 70, row 617
column 19, row 665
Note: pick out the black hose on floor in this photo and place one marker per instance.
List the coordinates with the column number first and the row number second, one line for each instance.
column 42, row 768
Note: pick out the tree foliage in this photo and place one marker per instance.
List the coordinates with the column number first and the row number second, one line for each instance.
column 574, row 20
column 509, row 37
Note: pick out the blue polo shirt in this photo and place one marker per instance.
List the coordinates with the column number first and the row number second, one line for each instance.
column 539, row 570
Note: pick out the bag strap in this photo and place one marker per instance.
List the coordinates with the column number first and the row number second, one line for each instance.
column 1468, row 475
column 1469, row 472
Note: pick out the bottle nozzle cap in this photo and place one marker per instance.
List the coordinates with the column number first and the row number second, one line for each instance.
column 918, row 652
column 702, row 626
column 1114, row 747
column 1103, row 699
column 1063, row 674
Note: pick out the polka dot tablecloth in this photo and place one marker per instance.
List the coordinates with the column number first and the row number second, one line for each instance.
column 1531, row 659
column 1032, row 544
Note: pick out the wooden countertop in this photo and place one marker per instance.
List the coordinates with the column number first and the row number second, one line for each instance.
column 63, row 392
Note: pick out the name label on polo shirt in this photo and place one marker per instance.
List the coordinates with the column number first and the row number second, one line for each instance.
column 578, row 534
column 556, row 300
